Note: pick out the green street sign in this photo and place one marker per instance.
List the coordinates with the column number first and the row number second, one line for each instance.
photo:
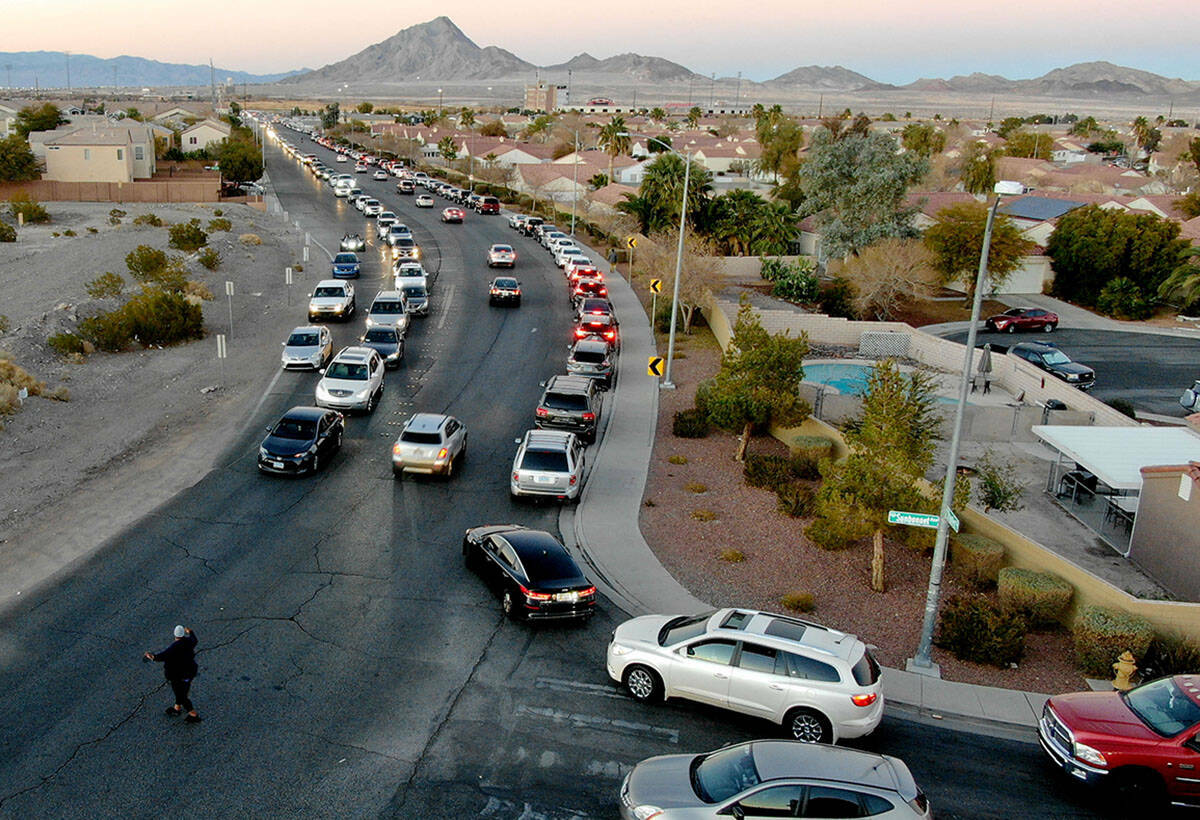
column 912, row 519
column 952, row 520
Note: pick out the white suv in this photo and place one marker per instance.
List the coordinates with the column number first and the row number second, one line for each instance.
column 819, row 684
column 331, row 299
column 352, row 381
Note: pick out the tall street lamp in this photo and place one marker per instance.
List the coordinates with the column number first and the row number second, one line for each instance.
column 575, row 182
column 439, row 103
column 922, row 663
column 667, row 384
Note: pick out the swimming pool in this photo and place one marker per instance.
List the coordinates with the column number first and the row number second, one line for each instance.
column 847, row 378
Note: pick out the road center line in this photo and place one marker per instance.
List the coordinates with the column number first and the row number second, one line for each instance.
column 446, row 309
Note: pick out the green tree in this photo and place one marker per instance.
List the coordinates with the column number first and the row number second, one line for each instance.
column 758, row 381
column 661, row 145
column 1008, row 125
column 240, row 161
column 466, row 117
column 598, row 181
column 1183, row 283
column 365, row 107
column 656, row 205
column 892, row 445
column 613, row 140
column 1189, row 205
column 44, row 117
column 856, row 187
column 1035, row 145
column 731, row 221
column 1085, row 127
column 773, row 229
column 133, row 114
column 1192, row 153
column 956, row 243
column 493, row 128
column 780, row 140
column 978, row 168
column 17, row 162
column 658, row 114
column 330, row 116
column 693, row 116
column 540, row 129
column 1091, row 246
column 923, row 139
column 1146, row 136
column 447, row 148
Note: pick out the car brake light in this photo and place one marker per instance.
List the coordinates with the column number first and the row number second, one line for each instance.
column 586, row 593
column 535, row 596
column 864, row 700
column 516, row 476
column 611, row 334
column 589, row 416
column 572, row 481
column 542, row 412
column 396, row 448
column 442, row 453
column 580, row 333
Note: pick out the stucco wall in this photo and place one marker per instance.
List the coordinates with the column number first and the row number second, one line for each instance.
column 1166, row 535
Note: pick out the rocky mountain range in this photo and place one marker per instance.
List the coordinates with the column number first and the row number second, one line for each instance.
column 49, row 69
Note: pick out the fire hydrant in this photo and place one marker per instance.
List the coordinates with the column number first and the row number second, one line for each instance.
column 1124, row 669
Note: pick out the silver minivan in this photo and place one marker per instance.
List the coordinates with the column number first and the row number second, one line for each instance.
column 389, row 309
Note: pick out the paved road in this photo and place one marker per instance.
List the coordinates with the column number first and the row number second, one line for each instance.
column 1149, row 370
column 350, row 665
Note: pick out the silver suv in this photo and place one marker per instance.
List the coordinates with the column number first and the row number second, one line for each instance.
column 819, row 684
column 548, row 463
column 331, row 299
column 591, row 358
column 430, row 443
column 353, row 380
column 389, row 309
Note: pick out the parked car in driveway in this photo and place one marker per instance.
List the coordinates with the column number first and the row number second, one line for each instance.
column 820, row 685
column 429, row 443
column 352, row 381
column 772, row 778
column 307, row 347
column 1022, row 318
column 533, row 573
column 1046, row 356
column 1144, row 744
column 548, row 463
column 301, row 441
column 331, row 299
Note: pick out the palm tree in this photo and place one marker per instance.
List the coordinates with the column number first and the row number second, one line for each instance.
column 447, row 148
column 613, row 139
column 693, row 116
column 658, row 114
column 1184, row 282
column 540, row 128
column 772, row 228
column 466, row 118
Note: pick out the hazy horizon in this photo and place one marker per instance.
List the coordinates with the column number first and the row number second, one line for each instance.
column 885, row 42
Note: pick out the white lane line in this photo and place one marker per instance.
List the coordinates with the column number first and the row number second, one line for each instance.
column 446, row 309
column 600, row 724
column 267, row 392
column 575, row 687
column 319, row 245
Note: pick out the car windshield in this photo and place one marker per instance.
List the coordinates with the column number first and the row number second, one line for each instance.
column 1163, row 706
column 302, row 340
column 380, row 334
column 1056, row 357
column 506, row 283
column 724, row 773
column 299, row 429
column 683, row 628
column 414, row 291
column 347, row 370
column 589, row 356
column 405, row 242
column 329, row 291
column 501, row 249
column 387, row 307
column 547, row 461
column 344, row 259
column 413, row 437
column 565, row 401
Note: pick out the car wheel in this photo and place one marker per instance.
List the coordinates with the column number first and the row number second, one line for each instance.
column 509, row 604
column 397, row 472
column 371, row 402
column 1050, row 327
column 1011, row 328
column 808, row 726
column 449, row 474
column 643, row 684
column 337, row 441
column 1139, row 791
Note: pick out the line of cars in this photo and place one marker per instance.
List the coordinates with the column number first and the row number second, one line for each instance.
column 819, row 685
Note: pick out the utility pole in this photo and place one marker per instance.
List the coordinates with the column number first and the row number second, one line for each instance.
column 212, row 79
column 68, row 72
column 712, row 91
column 737, row 100
column 568, row 88
column 820, row 106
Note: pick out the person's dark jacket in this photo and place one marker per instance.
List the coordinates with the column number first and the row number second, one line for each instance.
column 179, row 659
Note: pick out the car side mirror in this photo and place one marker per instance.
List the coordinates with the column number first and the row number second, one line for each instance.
column 516, row 441
column 1193, row 744
column 321, row 371
column 541, row 384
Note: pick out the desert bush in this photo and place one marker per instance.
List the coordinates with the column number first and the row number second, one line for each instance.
column 795, row 500
column 1040, row 597
column 107, row 331
column 704, row 392
column 1124, row 299
column 696, row 487
column 13, row 374
column 187, row 236
column 9, row 401
column 807, row 452
column 92, row 230
column 690, row 424
column 767, row 472
column 841, row 527
column 148, row 219
column 105, row 286
column 115, row 216
column 60, row 393
column 797, row 286
column 145, row 262
column 838, row 298
column 215, row 225
column 218, row 212
column 7, row 232
column 250, row 239
column 65, row 344
column 210, row 259
column 68, row 232
column 974, row 629
column 677, row 459
column 732, row 556
column 1169, row 655
column 1123, row 406
column 977, row 557
column 799, row 601
column 704, row 515
column 198, row 289
column 4, row 323
column 23, row 205
column 1101, row 635
column 161, row 317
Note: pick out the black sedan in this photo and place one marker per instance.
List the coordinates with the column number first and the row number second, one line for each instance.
column 301, row 441
column 531, row 571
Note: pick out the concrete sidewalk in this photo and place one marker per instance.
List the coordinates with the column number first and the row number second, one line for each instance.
column 603, row 532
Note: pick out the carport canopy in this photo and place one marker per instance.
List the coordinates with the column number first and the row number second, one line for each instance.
column 1116, row 455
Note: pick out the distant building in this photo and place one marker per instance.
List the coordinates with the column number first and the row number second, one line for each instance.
column 541, row 97
column 114, row 154
column 202, row 134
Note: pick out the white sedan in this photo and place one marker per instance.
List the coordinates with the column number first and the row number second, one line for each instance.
column 380, row 174
column 424, row 201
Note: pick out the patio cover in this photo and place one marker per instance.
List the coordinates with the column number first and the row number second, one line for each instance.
column 1116, row 455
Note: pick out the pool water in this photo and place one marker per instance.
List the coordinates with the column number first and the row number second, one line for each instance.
column 850, row 379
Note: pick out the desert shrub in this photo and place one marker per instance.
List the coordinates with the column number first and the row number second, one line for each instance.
column 703, row 396
column 60, row 393
column 1123, row 406
column 677, row 459
column 23, row 205
column 250, row 239
column 215, row 225
column 107, row 331
column 1101, row 635
column 1169, row 655
column 10, row 401
column 795, row 500
column 64, row 344
column 115, row 216
column 799, row 601
column 840, row 527
column 773, row 268
column 55, row 233
column 298, row 267
column 68, row 232
column 974, row 629
column 210, row 259
column 767, row 472
column 145, row 262
column 807, row 452
column 148, row 219
column 92, row 230
column 7, row 232
column 797, row 286
column 1124, row 299
column 1040, row 597
column 838, row 298
column 977, row 557
column 13, row 374
column 161, row 317
column 696, row 487
column 732, row 556
column 105, row 286
column 218, row 212
column 187, row 236
column 4, row 323
column 198, row 289
column 690, row 424
column 704, row 515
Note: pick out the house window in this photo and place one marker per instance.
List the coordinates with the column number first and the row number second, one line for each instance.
column 120, row 153
column 139, row 153
column 87, row 153
column 191, row 140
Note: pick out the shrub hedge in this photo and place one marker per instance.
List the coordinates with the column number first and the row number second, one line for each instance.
column 1101, row 635
column 1042, row 598
column 690, row 424
column 974, row 629
column 795, row 500
column 977, row 557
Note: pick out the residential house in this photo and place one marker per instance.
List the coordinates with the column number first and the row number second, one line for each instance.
column 1164, row 541
column 200, row 136
column 607, row 198
column 549, row 181
column 1068, row 151
column 176, row 116
column 8, row 120
column 114, row 154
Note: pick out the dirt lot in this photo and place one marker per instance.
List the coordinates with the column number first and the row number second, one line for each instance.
column 140, row 425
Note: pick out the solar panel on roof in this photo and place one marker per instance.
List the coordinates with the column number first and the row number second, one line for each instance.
column 1039, row 207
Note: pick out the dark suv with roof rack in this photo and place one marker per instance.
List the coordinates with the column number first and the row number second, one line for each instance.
column 570, row 403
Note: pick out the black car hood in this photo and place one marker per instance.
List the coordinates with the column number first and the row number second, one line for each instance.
column 285, row 446
column 382, row 348
column 1072, row 367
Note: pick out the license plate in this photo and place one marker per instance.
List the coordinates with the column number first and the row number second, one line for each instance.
column 544, row 479
column 567, row 597
column 278, row 465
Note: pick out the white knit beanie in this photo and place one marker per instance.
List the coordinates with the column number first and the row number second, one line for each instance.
column 180, row 632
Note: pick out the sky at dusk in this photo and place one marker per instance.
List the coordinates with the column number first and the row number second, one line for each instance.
column 888, row 41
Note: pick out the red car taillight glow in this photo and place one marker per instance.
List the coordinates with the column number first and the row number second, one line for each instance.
column 864, row 700
column 542, row 412
column 535, row 596
column 442, row 453
column 589, row 416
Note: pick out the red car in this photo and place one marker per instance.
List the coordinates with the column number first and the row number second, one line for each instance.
column 1143, row 743
column 1026, row 318
column 453, row 215
column 600, row 326
column 488, row 205
column 588, row 288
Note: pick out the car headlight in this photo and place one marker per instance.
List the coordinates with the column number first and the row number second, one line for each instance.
column 262, row 453
column 645, row 812
column 339, row 308
column 1089, row 755
column 620, row 649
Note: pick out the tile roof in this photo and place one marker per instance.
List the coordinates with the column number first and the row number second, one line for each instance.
column 931, row 202
column 98, row 136
column 612, row 194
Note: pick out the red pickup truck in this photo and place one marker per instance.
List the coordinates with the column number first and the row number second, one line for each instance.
column 1142, row 743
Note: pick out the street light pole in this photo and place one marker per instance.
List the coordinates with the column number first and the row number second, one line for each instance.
column 922, row 663
column 687, row 172
column 575, row 182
